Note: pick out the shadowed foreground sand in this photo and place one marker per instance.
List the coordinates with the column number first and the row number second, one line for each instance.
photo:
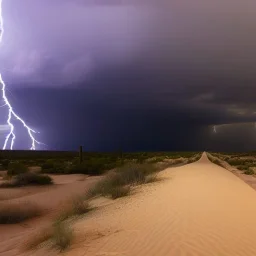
column 49, row 198
column 199, row 209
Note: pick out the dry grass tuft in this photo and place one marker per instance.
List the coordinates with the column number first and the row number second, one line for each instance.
column 76, row 206
column 118, row 183
column 151, row 178
column 117, row 192
column 62, row 235
column 59, row 235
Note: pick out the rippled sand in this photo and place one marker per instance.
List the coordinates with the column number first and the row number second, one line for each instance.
column 199, row 209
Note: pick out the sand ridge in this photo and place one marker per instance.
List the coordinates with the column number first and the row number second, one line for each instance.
column 199, row 209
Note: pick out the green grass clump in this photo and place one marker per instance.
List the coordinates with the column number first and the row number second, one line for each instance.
column 16, row 213
column 16, row 168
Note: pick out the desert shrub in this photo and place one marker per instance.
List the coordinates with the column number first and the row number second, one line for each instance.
column 217, row 161
column 133, row 173
column 117, row 192
column 242, row 167
column 32, row 179
column 48, row 164
column 178, row 161
column 105, row 186
column 16, row 168
column 94, row 166
column 76, row 206
column 156, row 159
column 15, row 213
column 249, row 171
column 190, row 160
column 151, row 178
column 118, row 182
column 28, row 179
column 5, row 163
column 55, row 166
column 236, row 161
column 62, row 235
column 90, row 165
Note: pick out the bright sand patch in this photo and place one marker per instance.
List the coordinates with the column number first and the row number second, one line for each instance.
column 199, row 209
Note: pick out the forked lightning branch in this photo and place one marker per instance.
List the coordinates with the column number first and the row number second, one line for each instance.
column 12, row 115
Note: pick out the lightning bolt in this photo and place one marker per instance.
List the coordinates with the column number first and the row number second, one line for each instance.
column 11, row 114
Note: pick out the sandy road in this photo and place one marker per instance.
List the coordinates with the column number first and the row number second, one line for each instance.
column 199, row 209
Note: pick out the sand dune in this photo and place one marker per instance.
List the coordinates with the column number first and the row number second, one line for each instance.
column 49, row 198
column 199, row 209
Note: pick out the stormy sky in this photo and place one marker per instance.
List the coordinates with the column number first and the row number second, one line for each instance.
column 137, row 75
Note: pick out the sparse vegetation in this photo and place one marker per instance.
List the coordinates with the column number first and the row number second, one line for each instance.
column 76, row 206
column 28, row 179
column 59, row 235
column 151, row 178
column 16, row 168
column 15, row 213
column 249, row 171
column 242, row 167
column 118, row 182
column 62, row 235
column 120, row 191
column 5, row 163
column 243, row 161
column 218, row 162
column 215, row 160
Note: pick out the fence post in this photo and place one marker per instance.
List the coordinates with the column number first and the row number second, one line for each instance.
column 81, row 154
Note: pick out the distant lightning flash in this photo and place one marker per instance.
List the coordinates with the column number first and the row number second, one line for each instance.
column 11, row 114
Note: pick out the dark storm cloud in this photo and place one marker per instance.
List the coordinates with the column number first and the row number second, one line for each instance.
column 157, row 61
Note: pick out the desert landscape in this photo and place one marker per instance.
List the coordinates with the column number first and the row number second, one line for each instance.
column 28, row 206
column 127, row 128
column 194, row 207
